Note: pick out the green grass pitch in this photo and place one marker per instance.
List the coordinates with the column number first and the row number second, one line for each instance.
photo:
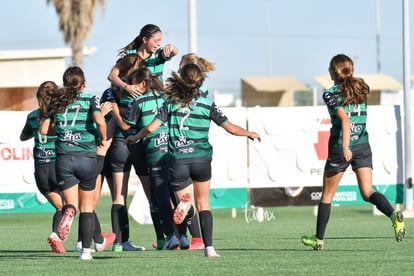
column 356, row 243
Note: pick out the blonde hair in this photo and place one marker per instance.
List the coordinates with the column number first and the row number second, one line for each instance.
column 205, row 65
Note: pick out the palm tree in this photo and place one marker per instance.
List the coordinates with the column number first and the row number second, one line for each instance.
column 75, row 21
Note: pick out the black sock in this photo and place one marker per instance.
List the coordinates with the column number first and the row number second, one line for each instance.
column 181, row 229
column 56, row 219
column 124, row 224
column 381, row 203
column 194, row 227
column 324, row 211
column 79, row 232
column 166, row 218
column 87, row 225
column 155, row 216
column 206, row 223
column 116, row 212
column 97, row 234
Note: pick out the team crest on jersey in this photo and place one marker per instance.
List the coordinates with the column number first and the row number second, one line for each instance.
column 162, row 139
column 355, row 131
column 43, row 152
column 131, row 131
column 71, row 137
column 183, row 142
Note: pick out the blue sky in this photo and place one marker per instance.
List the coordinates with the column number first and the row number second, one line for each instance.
column 241, row 37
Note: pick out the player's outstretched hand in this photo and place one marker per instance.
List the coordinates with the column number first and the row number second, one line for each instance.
column 254, row 135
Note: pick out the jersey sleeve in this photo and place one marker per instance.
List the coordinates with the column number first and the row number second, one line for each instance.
column 330, row 100
column 161, row 55
column 216, row 115
column 27, row 129
column 108, row 96
column 133, row 114
column 162, row 114
column 95, row 104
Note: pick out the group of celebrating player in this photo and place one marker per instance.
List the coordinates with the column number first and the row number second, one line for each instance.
column 160, row 128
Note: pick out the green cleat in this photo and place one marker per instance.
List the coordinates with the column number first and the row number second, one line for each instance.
column 313, row 242
column 117, row 247
column 397, row 219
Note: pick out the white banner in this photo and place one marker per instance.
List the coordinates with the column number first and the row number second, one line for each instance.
column 295, row 141
column 16, row 158
column 229, row 165
column 292, row 152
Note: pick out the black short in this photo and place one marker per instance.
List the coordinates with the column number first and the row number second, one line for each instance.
column 182, row 175
column 107, row 170
column 160, row 184
column 139, row 158
column 72, row 170
column 361, row 158
column 45, row 176
column 122, row 157
column 119, row 156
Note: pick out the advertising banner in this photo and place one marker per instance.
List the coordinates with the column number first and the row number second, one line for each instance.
column 286, row 168
column 18, row 190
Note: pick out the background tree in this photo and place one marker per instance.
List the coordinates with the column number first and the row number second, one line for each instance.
column 75, row 21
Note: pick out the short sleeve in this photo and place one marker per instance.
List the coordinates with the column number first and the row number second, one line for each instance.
column 216, row 115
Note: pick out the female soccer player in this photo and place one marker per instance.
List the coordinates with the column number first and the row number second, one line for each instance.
column 348, row 145
column 79, row 125
column 188, row 116
column 120, row 161
column 141, row 112
column 147, row 46
column 44, row 154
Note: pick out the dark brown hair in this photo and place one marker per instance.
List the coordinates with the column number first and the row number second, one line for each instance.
column 353, row 90
column 73, row 81
column 153, row 84
column 185, row 87
column 147, row 31
column 44, row 94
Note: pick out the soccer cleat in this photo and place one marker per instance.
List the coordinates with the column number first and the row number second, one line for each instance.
column 184, row 242
column 128, row 246
column 397, row 219
column 56, row 244
column 171, row 244
column 210, row 252
column 65, row 223
column 158, row 244
column 78, row 247
column 182, row 209
column 86, row 254
column 313, row 242
column 197, row 244
column 107, row 241
column 104, row 234
column 117, row 247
